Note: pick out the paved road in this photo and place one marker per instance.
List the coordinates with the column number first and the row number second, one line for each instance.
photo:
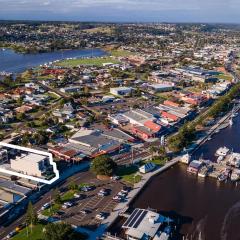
column 78, row 178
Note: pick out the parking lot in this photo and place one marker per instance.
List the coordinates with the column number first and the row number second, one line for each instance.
column 90, row 204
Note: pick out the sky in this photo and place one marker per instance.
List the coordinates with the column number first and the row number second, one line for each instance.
column 222, row 11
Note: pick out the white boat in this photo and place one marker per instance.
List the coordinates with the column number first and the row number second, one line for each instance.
column 230, row 122
column 220, row 158
column 222, row 151
column 235, row 176
column 203, row 172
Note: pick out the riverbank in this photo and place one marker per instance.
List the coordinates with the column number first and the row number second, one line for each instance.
column 16, row 63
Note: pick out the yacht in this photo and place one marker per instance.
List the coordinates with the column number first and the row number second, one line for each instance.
column 230, row 122
column 222, row 151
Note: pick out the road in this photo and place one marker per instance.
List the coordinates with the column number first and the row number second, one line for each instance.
column 78, row 178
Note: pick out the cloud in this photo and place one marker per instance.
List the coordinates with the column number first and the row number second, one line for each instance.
column 137, row 10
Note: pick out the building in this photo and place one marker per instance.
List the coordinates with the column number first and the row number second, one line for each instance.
column 143, row 224
column 148, row 167
column 164, row 87
column 3, row 156
column 138, row 116
column 121, row 91
column 31, row 164
column 93, row 143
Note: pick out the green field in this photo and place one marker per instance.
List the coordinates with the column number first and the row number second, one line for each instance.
column 87, row 61
column 35, row 234
column 120, row 53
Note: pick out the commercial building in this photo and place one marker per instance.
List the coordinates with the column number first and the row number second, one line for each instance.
column 31, row 164
column 143, row 224
column 121, row 91
column 164, row 87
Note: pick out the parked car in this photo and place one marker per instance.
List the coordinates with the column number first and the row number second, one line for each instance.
column 101, row 216
column 67, row 205
column 20, row 227
column 79, row 196
column 87, row 188
column 85, row 211
column 46, row 206
column 11, row 234
column 115, row 178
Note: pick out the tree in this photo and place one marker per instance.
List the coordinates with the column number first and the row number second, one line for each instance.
column 62, row 231
column 57, row 197
column 103, row 165
column 31, row 215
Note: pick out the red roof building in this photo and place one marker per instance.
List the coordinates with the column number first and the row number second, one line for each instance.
column 169, row 116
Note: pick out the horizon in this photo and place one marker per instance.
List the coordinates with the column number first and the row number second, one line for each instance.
column 130, row 11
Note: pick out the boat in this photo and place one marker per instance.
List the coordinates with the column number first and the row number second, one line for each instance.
column 222, row 177
column 220, row 158
column 222, row 151
column 203, row 172
column 235, row 176
column 230, row 122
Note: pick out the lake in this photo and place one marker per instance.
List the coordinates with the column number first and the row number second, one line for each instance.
column 11, row 61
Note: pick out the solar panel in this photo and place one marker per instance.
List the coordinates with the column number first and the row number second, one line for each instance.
column 135, row 217
column 130, row 218
column 140, row 219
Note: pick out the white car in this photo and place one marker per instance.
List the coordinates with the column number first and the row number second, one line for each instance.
column 46, row 206
column 101, row 216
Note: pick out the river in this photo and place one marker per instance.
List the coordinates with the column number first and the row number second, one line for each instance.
column 205, row 208
column 11, row 61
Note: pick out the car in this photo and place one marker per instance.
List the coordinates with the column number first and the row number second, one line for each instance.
column 87, row 188
column 46, row 206
column 115, row 178
column 85, row 211
column 101, row 216
column 79, row 196
column 104, row 192
column 118, row 198
column 20, row 227
column 122, row 194
column 67, row 205
column 11, row 234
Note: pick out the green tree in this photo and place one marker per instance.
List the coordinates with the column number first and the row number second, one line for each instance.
column 31, row 215
column 57, row 197
column 61, row 231
column 103, row 165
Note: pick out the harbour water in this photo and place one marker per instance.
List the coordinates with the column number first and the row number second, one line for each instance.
column 11, row 61
column 205, row 208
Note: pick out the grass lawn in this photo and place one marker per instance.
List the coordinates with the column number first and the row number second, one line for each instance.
column 69, row 195
column 129, row 174
column 120, row 53
column 36, row 233
column 159, row 161
column 87, row 61
column 52, row 210
column 225, row 77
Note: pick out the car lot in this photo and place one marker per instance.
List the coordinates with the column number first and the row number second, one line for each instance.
column 91, row 207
